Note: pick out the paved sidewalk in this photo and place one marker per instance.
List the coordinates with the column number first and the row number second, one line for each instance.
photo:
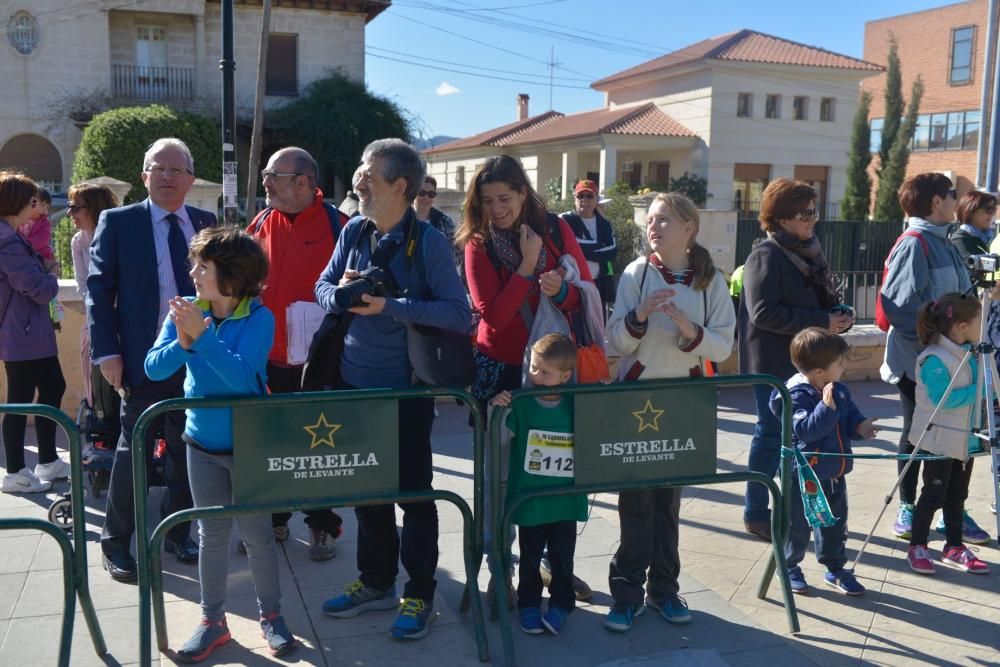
column 905, row 618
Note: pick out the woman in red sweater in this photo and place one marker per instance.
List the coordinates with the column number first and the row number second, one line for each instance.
column 510, row 260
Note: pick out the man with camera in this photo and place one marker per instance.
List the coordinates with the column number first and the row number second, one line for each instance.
column 298, row 232
column 390, row 270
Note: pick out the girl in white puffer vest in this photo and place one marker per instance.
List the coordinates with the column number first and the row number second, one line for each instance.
column 948, row 327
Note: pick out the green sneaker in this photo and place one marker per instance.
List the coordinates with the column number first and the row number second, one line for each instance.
column 358, row 598
column 414, row 620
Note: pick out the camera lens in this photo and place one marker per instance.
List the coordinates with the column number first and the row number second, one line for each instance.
column 349, row 294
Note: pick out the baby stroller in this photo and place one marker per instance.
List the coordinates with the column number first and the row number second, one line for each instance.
column 99, row 426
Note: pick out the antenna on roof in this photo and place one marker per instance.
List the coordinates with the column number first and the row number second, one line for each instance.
column 553, row 63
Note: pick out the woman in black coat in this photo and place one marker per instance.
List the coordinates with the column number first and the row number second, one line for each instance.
column 787, row 287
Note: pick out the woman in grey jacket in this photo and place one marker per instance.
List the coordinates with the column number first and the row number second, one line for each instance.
column 27, row 340
column 923, row 266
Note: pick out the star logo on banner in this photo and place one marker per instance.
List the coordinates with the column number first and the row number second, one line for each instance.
column 322, row 432
column 649, row 417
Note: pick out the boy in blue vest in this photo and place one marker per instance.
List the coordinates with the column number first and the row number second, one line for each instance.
column 538, row 432
column 824, row 420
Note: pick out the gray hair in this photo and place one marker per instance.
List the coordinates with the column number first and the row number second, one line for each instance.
column 302, row 163
column 400, row 160
column 167, row 142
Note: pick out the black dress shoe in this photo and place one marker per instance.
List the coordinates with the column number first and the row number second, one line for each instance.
column 185, row 549
column 121, row 568
column 759, row 528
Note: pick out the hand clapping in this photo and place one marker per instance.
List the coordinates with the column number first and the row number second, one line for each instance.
column 189, row 321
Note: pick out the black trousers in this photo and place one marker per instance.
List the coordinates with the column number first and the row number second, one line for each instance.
column 119, row 522
column 907, row 398
column 946, row 486
column 649, row 520
column 288, row 380
column 380, row 546
column 560, row 539
column 24, row 378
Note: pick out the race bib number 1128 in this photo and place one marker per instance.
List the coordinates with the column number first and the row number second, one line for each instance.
column 549, row 454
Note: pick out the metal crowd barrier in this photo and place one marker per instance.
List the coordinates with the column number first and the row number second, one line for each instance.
column 642, row 395
column 74, row 553
column 263, row 425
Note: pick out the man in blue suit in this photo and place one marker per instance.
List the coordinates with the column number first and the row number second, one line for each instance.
column 138, row 262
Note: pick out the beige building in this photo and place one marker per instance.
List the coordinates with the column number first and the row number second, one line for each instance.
column 738, row 110
column 60, row 58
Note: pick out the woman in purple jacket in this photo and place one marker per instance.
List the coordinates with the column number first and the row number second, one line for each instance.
column 27, row 340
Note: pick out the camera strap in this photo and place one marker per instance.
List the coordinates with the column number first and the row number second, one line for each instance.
column 382, row 256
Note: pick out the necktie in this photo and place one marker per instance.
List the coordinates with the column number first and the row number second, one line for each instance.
column 179, row 257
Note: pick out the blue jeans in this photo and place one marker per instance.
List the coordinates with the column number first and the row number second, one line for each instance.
column 212, row 484
column 828, row 542
column 765, row 455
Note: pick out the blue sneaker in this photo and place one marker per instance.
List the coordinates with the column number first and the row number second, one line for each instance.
column 904, row 521
column 673, row 608
column 621, row 616
column 554, row 619
column 209, row 636
column 843, row 580
column 280, row 640
column 797, row 581
column 358, row 598
column 414, row 620
column 531, row 620
column 971, row 532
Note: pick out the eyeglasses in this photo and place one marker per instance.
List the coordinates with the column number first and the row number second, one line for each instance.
column 265, row 174
column 990, row 209
column 34, row 202
column 427, row 193
column 953, row 193
column 807, row 214
column 160, row 172
column 584, row 195
column 73, row 208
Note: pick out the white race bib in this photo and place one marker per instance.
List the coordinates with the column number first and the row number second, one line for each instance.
column 549, row 454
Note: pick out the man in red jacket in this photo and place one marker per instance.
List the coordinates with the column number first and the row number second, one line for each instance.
column 298, row 232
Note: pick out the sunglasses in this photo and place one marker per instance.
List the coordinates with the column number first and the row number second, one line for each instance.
column 73, row 208
column 807, row 214
column 953, row 193
column 427, row 193
column 584, row 195
column 990, row 209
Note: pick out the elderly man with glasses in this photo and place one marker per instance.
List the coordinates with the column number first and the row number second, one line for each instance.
column 298, row 232
column 138, row 262
column 595, row 236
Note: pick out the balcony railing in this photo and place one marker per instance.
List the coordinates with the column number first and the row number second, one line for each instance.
column 152, row 83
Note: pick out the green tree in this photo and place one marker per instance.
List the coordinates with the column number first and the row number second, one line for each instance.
column 858, row 193
column 887, row 206
column 692, row 186
column 115, row 141
column 894, row 104
column 334, row 119
column 621, row 214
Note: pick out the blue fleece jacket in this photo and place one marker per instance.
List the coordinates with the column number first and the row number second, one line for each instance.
column 228, row 359
column 818, row 428
column 375, row 352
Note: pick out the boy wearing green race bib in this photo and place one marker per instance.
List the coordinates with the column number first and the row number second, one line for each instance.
column 824, row 420
column 539, row 435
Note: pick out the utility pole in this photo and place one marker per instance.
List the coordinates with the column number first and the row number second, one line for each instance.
column 552, row 70
column 258, row 112
column 983, row 156
column 228, row 66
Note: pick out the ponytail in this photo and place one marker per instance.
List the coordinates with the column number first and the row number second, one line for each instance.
column 704, row 267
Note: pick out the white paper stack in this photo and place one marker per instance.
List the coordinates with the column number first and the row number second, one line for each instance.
column 302, row 320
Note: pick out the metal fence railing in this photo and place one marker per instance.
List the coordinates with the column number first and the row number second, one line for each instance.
column 152, row 83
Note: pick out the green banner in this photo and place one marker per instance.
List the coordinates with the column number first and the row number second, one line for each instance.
column 645, row 434
column 315, row 450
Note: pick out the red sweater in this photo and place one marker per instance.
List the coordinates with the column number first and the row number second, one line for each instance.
column 502, row 333
column 298, row 250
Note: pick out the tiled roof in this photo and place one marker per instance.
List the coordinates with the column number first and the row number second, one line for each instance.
column 645, row 119
column 746, row 46
column 498, row 136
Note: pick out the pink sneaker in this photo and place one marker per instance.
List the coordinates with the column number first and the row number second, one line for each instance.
column 962, row 558
column 920, row 559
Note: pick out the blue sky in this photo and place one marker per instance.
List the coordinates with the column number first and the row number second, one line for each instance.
column 590, row 39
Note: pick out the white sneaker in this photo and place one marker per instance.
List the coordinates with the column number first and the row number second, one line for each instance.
column 23, row 482
column 49, row 472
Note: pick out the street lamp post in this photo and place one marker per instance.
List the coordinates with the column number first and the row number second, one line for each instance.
column 228, row 67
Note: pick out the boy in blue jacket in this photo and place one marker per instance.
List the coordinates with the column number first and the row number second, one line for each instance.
column 824, row 419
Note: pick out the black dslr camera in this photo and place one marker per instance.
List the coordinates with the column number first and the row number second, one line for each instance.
column 983, row 268
column 373, row 280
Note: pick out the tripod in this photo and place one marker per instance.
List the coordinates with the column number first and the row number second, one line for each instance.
column 987, row 388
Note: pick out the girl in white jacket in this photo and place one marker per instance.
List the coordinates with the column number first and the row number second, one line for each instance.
column 948, row 327
column 672, row 316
